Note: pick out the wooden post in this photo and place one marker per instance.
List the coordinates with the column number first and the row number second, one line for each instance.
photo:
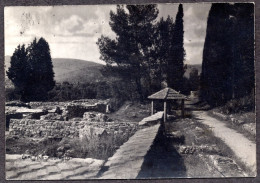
column 152, row 107
column 182, row 108
column 165, row 111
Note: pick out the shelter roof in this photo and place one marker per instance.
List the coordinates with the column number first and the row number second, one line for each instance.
column 167, row 94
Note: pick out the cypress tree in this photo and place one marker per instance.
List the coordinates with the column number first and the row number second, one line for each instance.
column 228, row 56
column 42, row 75
column 31, row 71
column 18, row 72
column 217, row 54
column 177, row 54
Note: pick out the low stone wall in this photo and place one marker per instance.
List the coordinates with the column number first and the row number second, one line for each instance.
column 60, row 129
column 46, row 104
column 75, row 110
column 126, row 163
column 82, row 102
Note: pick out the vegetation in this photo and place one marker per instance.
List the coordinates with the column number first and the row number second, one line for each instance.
column 138, row 54
column 228, row 56
column 31, row 71
column 177, row 54
column 194, row 79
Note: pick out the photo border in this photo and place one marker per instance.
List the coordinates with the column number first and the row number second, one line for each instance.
column 4, row 3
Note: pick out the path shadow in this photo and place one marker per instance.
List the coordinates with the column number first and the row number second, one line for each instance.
column 162, row 160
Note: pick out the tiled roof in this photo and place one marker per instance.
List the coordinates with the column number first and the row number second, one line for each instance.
column 167, row 94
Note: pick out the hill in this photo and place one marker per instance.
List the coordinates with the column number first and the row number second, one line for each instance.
column 72, row 70
column 75, row 70
column 189, row 69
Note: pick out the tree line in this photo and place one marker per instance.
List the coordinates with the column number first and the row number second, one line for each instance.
column 228, row 55
column 145, row 52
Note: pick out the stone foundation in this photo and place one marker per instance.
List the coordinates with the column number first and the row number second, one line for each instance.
column 70, row 129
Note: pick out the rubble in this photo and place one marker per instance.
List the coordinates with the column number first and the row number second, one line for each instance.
column 95, row 117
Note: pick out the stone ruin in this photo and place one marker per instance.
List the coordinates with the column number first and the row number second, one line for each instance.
column 61, row 111
column 84, row 119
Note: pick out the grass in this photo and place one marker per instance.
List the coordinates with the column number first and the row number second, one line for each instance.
column 197, row 134
column 98, row 148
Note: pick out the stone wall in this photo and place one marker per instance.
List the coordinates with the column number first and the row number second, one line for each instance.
column 70, row 129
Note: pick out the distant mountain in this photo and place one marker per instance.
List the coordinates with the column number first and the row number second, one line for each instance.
column 190, row 67
column 72, row 70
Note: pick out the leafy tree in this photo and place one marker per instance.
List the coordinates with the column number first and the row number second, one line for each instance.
column 18, row 72
column 162, row 50
column 128, row 55
column 176, row 68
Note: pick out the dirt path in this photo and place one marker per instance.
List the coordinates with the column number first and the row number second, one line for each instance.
column 243, row 148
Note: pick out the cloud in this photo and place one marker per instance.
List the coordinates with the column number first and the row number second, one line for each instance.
column 72, row 31
column 195, row 24
column 69, row 30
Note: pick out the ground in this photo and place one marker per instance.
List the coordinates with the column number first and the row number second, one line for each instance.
column 197, row 146
column 131, row 111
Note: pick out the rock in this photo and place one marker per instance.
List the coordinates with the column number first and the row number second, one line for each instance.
column 250, row 127
column 199, row 130
column 69, row 153
column 95, row 117
column 187, row 149
column 17, row 104
column 61, row 149
column 60, row 154
column 89, row 132
column 33, row 158
column 208, row 149
column 52, row 116
column 45, row 158
column 58, row 110
column 26, row 156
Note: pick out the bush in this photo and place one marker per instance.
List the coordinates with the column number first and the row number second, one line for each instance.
column 244, row 104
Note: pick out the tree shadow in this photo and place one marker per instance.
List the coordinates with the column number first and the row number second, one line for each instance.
column 162, row 160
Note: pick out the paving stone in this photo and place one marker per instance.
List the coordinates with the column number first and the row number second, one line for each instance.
column 57, row 176
column 53, row 169
column 10, row 174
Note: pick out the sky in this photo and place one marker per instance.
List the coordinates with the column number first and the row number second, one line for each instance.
column 72, row 31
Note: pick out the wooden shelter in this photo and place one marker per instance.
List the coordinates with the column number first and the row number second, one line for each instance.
column 165, row 95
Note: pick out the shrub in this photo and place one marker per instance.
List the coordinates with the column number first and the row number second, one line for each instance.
column 244, row 104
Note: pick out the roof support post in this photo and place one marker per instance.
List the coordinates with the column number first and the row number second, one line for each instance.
column 182, row 108
column 152, row 107
column 165, row 111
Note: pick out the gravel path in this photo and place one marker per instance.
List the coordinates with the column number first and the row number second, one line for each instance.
column 243, row 148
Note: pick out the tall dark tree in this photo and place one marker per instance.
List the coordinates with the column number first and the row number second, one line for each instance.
column 18, row 72
column 31, row 71
column 129, row 54
column 217, row 56
column 42, row 75
column 228, row 56
column 243, row 50
column 176, row 59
